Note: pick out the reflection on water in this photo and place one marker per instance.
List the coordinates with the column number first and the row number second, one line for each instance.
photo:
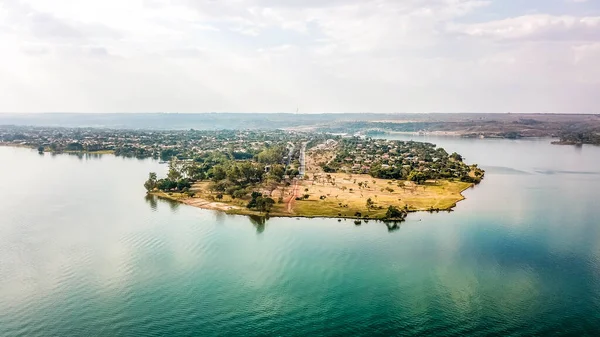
column 259, row 222
column 174, row 205
column 392, row 226
column 151, row 200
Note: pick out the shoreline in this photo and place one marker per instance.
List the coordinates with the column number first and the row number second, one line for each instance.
column 237, row 210
column 23, row 146
column 461, row 134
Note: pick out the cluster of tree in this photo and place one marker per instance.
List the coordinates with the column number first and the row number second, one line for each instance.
column 239, row 173
column 260, row 202
column 75, row 147
column 580, row 137
column 167, row 184
column 272, row 155
column 414, row 161
column 448, row 170
column 135, row 152
column 168, row 154
column 228, row 172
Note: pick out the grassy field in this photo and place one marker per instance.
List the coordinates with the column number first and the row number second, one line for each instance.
column 338, row 195
column 346, row 195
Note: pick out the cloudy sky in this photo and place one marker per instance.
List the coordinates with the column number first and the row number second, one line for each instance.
column 315, row 55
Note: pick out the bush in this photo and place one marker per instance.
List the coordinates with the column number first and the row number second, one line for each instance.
column 241, row 193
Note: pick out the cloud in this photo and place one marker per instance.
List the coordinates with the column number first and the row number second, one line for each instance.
column 189, row 52
column 535, row 27
column 25, row 19
column 35, row 49
column 320, row 55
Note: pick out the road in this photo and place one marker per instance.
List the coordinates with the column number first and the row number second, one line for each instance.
column 301, row 172
column 302, row 159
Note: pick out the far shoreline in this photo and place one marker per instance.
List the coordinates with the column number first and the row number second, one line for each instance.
column 46, row 150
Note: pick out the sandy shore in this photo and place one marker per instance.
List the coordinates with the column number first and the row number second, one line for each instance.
column 199, row 202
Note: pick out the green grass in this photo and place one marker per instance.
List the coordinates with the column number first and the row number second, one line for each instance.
column 442, row 195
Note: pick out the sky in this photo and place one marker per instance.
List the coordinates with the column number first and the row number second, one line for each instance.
column 311, row 55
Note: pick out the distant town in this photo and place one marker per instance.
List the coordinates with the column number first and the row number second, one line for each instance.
column 572, row 129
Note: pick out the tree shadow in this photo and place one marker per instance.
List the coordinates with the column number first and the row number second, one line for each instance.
column 151, row 200
column 392, row 226
column 259, row 222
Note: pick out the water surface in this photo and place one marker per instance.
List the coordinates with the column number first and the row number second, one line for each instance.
column 84, row 253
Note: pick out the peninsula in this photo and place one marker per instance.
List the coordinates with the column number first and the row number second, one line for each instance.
column 277, row 172
column 295, row 174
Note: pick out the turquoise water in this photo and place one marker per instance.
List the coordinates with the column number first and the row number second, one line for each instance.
column 84, row 253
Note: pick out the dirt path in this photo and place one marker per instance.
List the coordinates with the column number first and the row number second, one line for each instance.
column 293, row 196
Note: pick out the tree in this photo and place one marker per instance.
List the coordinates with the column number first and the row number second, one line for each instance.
column 183, row 184
column 218, row 173
column 271, row 155
column 277, row 172
column 271, row 185
column 264, row 204
column 394, row 213
column 166, row 184
column 260, row 203
column 253, row 202
column 168, row 154
column 370, row 203
column 150, row 184
column 174, row 173
column 456, row 157
column 76, row 146
column 417, row 176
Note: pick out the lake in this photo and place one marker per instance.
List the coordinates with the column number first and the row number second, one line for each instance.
column 83, row 252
